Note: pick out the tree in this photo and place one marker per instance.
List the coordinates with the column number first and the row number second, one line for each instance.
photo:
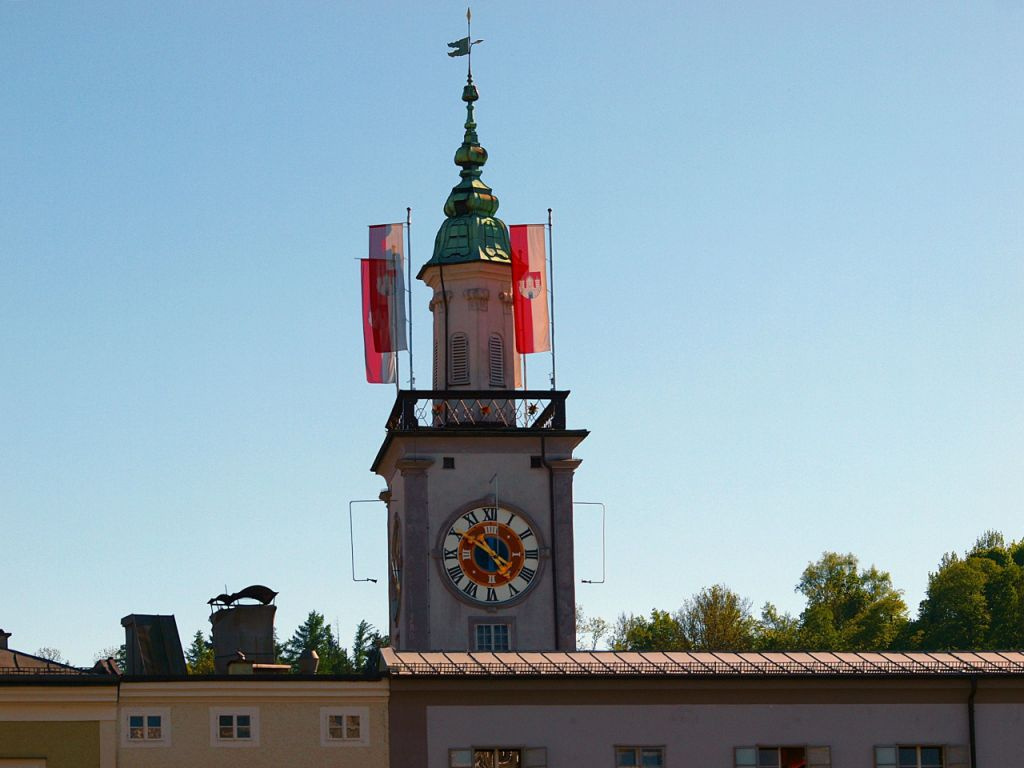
column 199, row 655
column 365, row 644
column 662, row 632
column 776, row 631
column 51, row 654
column 716, row 618
column 975, row 602
column 315, row 634
column 589, row 630
column 847, row 609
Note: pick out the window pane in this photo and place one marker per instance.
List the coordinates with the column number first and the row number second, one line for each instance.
column 793, row 757
column 225, row 720
column 352, row 727
column 460, row 758
column 931, row 757
column 746, row 756
column 768, row 757
column 243, row 720
column 625, row 757
column 243, row 732
column 908, row 757
column 135, row 727
column 651, row 757
column 483, row 758
column 226, row 732
column 501, row 637
column 508, row 758
column 885, row 756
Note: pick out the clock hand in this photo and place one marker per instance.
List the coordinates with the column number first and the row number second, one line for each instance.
column 479, row 541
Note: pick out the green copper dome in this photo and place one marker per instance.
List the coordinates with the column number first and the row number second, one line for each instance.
column 471, row 232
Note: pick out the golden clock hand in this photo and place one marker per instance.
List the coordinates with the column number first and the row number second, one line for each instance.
column 479, row 541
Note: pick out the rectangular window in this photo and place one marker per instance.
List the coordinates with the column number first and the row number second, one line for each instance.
column 234, row 727
column 498, row 757
column 344, row 726
column 145, row 727
column 909, row 757
column 492, row 637
column 638, row 757
column 782, row 757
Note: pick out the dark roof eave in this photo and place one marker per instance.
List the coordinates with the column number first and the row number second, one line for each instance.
column 447, row 432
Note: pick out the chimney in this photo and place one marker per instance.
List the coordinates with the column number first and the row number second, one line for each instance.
column 243, row 628
column 3, row 640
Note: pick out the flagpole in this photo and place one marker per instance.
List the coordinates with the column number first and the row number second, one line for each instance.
column 551, row 290
column 408, row 287
column 469, row 39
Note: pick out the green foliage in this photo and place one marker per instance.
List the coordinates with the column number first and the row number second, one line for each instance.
column 317, row 635
column 590, row 630
column 848, row 609
column 199, row 655
column 716, row 618
column 977, row 602
column 776, row 632
column 662, row 632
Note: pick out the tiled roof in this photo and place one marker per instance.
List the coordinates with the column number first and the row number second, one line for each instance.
column 703, row 664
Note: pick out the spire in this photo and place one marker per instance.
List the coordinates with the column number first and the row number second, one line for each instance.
column 470, row 232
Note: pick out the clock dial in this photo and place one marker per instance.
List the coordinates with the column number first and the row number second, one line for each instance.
column 396, row 568
column 490, row 554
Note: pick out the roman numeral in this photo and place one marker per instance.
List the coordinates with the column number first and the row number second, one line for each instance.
column 526, row 534
column 455, row 574
column 491, row 530
column 531, row 554
column 511, row 517
column 512, row 590
column 527, row 574
column 471, row 518
column 491, row 513
column 450, row 554
column 492, row 596
column 470, row 588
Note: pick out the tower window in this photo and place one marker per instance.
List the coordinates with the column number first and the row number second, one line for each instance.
column 458, row 359
column 436, row 383
column 496, row 359
column 492, row 637
column 448, row 462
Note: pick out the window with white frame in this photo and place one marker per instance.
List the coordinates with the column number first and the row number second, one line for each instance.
column 638, row 757
column 498, row 757
column 344, row 726
column 234, row 727
column 491, row 637
column 782, row 757
column 909, row 757
column 145, row 727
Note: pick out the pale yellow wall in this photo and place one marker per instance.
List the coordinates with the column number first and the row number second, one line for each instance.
column 289, row 730
column 70, row 726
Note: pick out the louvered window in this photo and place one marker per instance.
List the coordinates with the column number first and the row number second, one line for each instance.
column 458, row 359
column 437, row 384
column 496, row 359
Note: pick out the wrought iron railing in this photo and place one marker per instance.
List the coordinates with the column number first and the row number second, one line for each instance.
column 532, row 409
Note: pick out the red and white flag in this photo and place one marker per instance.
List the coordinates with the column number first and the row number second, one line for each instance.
column 383, row 282
column 380, row 366
column 529, row 288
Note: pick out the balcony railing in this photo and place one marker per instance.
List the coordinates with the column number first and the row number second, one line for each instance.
column 530, row 409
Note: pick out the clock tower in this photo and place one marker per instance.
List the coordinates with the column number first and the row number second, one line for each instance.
column 479, row 473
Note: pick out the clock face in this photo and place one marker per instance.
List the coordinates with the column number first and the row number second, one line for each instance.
column 396, row 568
column 490, row 555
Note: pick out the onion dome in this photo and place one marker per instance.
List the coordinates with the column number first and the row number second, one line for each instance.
column 471, row 232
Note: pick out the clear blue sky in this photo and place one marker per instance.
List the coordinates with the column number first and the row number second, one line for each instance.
column 789, row 283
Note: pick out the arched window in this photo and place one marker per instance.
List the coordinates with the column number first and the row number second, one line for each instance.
column 496, row 360
column 458, row 359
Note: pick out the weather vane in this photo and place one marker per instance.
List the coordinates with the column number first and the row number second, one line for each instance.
column 464, row 47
